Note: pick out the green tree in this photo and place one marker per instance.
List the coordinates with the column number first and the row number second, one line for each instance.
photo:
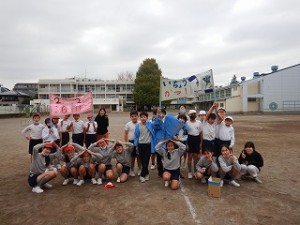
column 147, row 84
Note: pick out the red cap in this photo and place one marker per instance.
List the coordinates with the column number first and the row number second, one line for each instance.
column 48, row 145
column 69, row 148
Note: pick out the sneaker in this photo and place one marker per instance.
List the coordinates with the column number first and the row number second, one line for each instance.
column 190, row 175
column 203, row 180
column 118, row 180
column 166, row 183
column 234, row 183
column 75, row 181
column 152, row 167
column 37, row 189
column 58, row 166
column 147, row 177
column 257, row 180
column 99, row 181
column 80, row 182
column 66, row 181
column 139, row 172
column 47, row 185
column 142, row 179
column 221, row 183
column 131, row 173
column 94, row 181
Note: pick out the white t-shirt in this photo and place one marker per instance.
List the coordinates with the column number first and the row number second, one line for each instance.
column 194, row 128
column 130, row 127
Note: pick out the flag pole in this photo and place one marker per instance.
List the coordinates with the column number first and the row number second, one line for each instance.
column 160, row 90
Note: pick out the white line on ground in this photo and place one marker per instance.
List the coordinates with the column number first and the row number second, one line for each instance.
column 189, row 204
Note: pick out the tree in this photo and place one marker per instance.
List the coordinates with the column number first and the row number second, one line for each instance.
column 147, row 84
column 125, row 76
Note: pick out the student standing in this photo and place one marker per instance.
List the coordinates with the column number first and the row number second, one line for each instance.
column 194, row 128
column 90, row 130
column 64, row 127
column 226, row 133
column 33, row 132
column 77, row 130
column 102, row 124
column 129, row 137
column 144, row 140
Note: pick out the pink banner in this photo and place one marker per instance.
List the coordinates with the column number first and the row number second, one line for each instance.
column 76, row 105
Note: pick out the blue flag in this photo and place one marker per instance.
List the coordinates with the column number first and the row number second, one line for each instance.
column 172, row 126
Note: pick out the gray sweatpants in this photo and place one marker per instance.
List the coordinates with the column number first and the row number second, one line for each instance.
column 252, row 170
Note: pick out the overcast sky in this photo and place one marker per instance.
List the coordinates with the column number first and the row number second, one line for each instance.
column 101, row 39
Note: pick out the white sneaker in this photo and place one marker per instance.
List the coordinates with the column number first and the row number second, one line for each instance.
column 80, row 182
column 47, row 185
column 257, row 180
column 66, row 181
column 58, row 166
column 147, row 177
column 139, row 172
column 118, row 180
column 203, row 180
column 75, row 181
column 166, row 183
column 234, row 183
column 99, row 181
column 152, row 167
column 190, row 175
column 94, row 181
column 142, row 179
column 221, row 183
column 37, row 189
column 131, row 173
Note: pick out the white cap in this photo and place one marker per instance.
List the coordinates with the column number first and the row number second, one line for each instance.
column 202, row 112
column 192, row 111
column 221, row 108
column 229, row 118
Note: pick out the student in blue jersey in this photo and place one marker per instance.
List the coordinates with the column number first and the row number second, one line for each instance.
column 33, row 132
column 171, row 161
column 103, row 163
column 122, row 154
column 144, row 140
column 206, row 166
column 40, row 173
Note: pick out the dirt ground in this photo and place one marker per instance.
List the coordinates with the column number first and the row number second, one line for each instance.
column 276, row 201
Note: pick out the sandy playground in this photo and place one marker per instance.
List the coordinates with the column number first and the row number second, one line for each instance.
column 276, row 201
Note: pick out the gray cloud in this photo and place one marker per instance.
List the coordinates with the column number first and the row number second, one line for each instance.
column 100, row 39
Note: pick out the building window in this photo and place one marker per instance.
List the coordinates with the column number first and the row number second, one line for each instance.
column 251, row 99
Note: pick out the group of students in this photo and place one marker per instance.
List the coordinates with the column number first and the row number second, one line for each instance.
column 207, row 142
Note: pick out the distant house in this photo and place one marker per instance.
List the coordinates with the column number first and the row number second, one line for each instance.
column 30, row 89
column 277, row 91
column 9, row 98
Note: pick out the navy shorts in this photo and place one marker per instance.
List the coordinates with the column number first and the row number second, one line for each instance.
column 32, row 143
column 125, row 169
column 174, row 173
column 194, row 144
column 32, row 179
column 133, row 153
column 107, row 167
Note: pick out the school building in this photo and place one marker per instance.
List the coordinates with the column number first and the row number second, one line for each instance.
column 113, row 95
column 276, row 91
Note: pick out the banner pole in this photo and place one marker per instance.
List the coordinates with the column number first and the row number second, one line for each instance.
column 160, row 90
